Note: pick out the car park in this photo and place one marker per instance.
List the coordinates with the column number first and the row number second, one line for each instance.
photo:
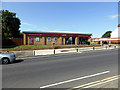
column 6, row 58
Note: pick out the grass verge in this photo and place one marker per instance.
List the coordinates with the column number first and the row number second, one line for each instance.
column 38, row 47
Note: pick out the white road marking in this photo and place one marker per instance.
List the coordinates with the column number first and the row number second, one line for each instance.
column 67, row 81
column 95, row 83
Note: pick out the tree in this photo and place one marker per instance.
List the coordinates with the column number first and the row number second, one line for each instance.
column 107, row 34
column 10, row 24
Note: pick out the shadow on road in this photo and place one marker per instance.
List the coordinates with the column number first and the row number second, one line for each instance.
column 17, row 61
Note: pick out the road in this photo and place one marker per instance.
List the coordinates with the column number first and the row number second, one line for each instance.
column 60, row 71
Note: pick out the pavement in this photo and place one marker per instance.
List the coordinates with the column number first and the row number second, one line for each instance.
column 62, row 71
column 32, row 53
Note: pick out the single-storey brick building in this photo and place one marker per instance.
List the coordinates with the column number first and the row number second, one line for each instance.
column 58, row 38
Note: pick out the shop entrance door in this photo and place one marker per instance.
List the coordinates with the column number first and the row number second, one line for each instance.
column 30, row 41
column 45, row 40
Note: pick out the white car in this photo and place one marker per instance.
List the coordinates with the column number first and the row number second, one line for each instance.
column 6, row 58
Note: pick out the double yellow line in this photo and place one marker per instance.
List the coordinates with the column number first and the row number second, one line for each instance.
column 95, row 83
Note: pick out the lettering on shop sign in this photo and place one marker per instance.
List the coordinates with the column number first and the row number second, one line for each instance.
column 58, row 35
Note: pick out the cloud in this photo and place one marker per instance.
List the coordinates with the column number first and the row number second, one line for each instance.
column 28, row 24
column 114, row 16
column 28, row 29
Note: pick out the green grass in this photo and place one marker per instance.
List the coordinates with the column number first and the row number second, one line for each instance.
column 31, row 46
column 39, row 46
column 35, row 46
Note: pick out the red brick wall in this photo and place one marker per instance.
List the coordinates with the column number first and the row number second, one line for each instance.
column 42, row 40
column 112, row 41
column 115, row 41
column 16, row 41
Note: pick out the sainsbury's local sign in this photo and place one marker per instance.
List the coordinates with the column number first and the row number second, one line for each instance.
column 62, row 35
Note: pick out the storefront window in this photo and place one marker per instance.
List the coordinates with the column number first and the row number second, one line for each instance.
column 55, row 39
column 69, row 40
column 37, row 39
column 83, row 40
column 49, row 39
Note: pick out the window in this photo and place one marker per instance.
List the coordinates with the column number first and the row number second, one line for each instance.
column 55, row 39
column 37, row 39
column 49, row 39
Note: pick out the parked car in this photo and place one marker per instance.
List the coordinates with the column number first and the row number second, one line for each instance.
column 6, row 58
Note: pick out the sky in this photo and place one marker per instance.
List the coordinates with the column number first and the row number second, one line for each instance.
column 84, row 17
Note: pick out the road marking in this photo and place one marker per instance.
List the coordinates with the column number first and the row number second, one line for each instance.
column 67, row 81
column 101, row 82
column 95, row 83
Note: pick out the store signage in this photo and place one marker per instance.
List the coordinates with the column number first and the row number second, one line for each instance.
column 64, row 35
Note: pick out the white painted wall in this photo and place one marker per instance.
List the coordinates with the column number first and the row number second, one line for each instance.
column 116, row 33
column 44, row 52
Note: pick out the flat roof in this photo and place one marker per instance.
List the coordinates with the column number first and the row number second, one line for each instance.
column 56, row 32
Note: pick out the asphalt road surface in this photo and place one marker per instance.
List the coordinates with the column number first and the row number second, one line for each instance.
column 60, row 71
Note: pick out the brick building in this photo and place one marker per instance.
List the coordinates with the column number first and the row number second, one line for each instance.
column 59, row 38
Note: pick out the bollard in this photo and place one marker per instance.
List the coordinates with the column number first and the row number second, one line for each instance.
column 54, row 51
column 7, row 51
column 106, row 46
column 109, row 45
column 77, row 49
column 93, row 47
column 34, row 52
column 115, row 46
